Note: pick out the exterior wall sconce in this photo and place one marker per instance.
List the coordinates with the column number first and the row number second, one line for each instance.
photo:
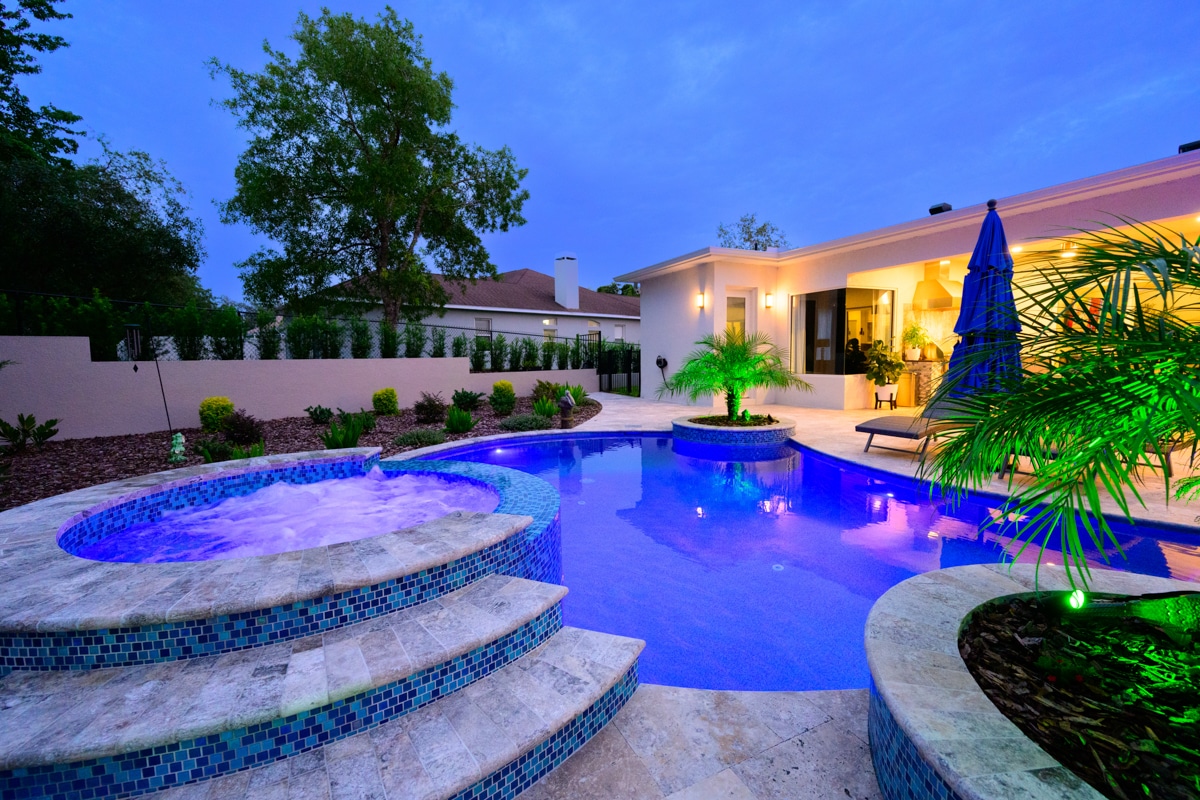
column 770, row 300
column 699, row 299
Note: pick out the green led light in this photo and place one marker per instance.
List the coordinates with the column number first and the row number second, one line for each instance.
column 1076, row 599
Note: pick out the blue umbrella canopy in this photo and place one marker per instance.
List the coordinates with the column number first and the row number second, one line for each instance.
column 988, row 352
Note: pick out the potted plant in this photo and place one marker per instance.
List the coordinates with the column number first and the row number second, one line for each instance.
column 914, row 338
column 883, row 369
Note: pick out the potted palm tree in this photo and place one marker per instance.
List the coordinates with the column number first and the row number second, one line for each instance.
column 732, row 363
column 883, row 369
column 914, row 338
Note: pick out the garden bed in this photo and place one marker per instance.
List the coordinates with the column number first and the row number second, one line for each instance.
column 1115, row 700
column 723, row 421
column 70, row 464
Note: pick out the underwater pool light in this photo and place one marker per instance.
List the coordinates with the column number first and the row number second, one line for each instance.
column 1076, row 599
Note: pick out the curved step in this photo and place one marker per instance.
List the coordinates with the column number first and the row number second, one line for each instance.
column 217, row 714
column 492, row 739
column 81, row 614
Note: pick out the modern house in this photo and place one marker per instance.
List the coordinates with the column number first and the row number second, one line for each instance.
column 532, row 303
column 817, row 298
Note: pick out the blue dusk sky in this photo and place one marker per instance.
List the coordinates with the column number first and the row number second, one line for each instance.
column 645, row 124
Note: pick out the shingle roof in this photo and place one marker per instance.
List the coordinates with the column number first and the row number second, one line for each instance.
column 530, row 290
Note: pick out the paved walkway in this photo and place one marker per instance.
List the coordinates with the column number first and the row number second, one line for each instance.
column 692, row 744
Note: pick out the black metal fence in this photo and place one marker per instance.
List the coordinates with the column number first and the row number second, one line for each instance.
column 619, row 368
column 122, row 331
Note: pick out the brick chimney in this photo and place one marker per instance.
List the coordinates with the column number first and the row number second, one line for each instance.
column 566, row 281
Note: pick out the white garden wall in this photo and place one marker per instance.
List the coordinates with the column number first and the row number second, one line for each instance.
column 54, row 377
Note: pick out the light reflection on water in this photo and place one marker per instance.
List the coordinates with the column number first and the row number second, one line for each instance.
column 756, row 575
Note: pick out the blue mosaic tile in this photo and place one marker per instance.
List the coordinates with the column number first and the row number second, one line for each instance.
column 731, row 436
column 230, row 751
column 517, row 776
column 901, row 772
column 535, row 553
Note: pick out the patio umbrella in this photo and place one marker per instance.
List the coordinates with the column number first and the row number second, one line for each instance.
column 988, row 352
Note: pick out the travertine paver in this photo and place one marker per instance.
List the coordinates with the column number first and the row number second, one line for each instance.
column 54, row 717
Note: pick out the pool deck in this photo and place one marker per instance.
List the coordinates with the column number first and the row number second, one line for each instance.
column 692, row 744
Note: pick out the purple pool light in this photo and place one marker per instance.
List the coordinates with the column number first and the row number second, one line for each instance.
column 284, row 517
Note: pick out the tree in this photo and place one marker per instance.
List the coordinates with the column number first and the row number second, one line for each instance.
column 352, row 170
column 116, row 225
column 733, row 363
column 748, row 234
column 623, row 289
column 1109, row 347
column 25, row 132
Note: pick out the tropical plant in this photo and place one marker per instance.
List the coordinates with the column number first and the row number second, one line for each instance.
column 578, row 393
column 459, row 421
column 545, row 407
column 466, row 399
column 526, row 422
column 430, row 408
column 915, row 335
column 360, row 338
column 732, row 363
column 385, row 402
column 345, row 435
column 547, row 390
column 419, row 437
column 214, row 450
column 883, row 366
column 253, row 451
column 362, row 418
column 389, row 340
column 213, row 411
column 242, row 428
column 1109, row 349
column 25, row 431
column 503, row 398
column 319, row 414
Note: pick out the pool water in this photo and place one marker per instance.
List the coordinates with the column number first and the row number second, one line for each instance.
column 284, row 517
column 756, row 575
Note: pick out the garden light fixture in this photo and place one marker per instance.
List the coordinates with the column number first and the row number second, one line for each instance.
column 1076, row 600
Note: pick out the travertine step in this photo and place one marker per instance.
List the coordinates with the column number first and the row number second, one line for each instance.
column 276, row 699
column 491, row 739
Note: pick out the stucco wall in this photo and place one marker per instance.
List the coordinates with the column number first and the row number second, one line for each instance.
column 54, row 377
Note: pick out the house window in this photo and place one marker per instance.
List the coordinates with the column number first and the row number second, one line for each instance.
column 619, row 333
column 550, row 328
column 593, row 333
column 830, row 332
column 483, row 329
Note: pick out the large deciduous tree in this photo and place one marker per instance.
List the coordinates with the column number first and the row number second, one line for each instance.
column 351, row 168
column 750, row 234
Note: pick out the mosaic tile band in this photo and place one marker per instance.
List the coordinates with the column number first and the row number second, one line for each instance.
column 779, row 433
column 517, row 776
column 230, row 751
column 901, row 772
column 535, row 553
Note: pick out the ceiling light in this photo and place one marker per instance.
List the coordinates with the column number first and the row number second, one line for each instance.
column 1067, row 254
column 1018, row 249
column 944, row 261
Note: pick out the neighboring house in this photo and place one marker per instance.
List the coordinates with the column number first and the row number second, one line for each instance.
column 813, row 300
column 533, row 303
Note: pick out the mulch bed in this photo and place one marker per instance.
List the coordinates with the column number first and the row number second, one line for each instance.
column 1115, row 699
column 722, row 421
column 70, row 464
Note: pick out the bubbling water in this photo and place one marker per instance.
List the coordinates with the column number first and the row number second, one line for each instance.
column 283, row 517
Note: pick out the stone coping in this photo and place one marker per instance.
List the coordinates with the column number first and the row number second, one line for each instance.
column 921, row 686
column 772, row 433
column 43, row 588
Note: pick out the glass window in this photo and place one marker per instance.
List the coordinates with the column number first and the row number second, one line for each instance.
column 483, row 329
column 735, row 315
column 549, row 334
column 830, row 332
column 796, row 333
column 619, row 333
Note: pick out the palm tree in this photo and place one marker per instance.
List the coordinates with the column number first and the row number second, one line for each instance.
column 733, row 363
column 1110, row 349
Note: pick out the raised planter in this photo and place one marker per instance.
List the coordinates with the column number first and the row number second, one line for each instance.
column 757, row 443
column 933, row 732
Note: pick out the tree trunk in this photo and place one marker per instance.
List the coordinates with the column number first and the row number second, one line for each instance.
column 733, row 402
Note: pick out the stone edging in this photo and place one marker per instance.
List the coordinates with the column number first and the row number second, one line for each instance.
column 773, row 434
column 934, row 733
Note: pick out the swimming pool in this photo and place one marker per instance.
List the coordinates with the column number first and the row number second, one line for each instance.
column 755, row 575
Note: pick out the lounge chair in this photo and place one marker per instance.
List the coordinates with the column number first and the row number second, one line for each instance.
column 920, row 428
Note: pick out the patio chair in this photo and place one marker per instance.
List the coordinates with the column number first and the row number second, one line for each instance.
column 920, row 428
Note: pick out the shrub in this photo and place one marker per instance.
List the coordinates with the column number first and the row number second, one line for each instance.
column 515, row 352
column 389, row 340
column 253, row 451
column 503, row 399
column 459, row 421
column 363, row 418
column 545, row 407
column 530, row 353
column 414, row 340
column 476, row 354
column 320, row 414
column 242, row 428
column 458, row 347
column 527, row 422
column 214, row 450
column 437, row 343
column 466, row 399
column 329, row 339
column 26, row 430
column 227, row 334
column 576, row 354
column 431, row 408
column 578, row 393
column 419, row 437
column 345, row 435
column 188, row 324
column 548, row 351
column 385, row 402
column 547, row 390
column 563, row 351
column 268, row 337
column 213, row 411
column 360, row 338
column 499, row 352
column 300, row 337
